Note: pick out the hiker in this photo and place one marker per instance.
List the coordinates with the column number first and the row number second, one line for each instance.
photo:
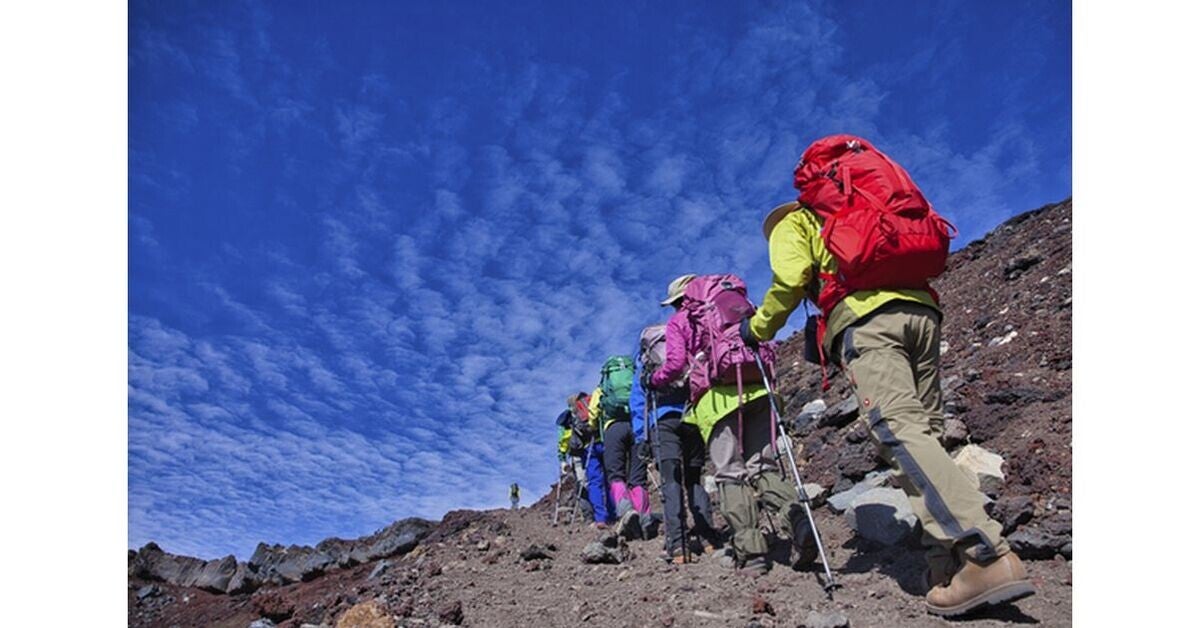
column 881, row 322
column 735, row 421
column 588, row 454
column 573, row 443
column 514, row 493
column 625, row 469
column 677, row 449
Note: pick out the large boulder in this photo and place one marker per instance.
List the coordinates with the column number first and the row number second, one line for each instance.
column 285, row 565
column 882, row 515
column 152, row 563
column 399, row 538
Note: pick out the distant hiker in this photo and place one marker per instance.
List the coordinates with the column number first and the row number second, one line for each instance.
column 588, row 455
column 862, row 243
column 514, row 493
column 574, row 439
column 625, row 469
column 733, row 418
column 677, row 446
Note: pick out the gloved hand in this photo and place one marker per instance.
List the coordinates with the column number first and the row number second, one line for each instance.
column 746, row 334
column 564, row 467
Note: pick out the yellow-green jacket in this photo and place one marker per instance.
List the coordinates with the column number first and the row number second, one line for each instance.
column 564, row 439
column 798, row 257
column 594, row 413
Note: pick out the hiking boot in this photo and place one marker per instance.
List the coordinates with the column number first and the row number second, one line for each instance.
column 650, row 527
column 756, row 565
column 941, row 567
column 599, row 525
column 629, row 527
column 675, row 557
column 804, row 542
column 975, row 585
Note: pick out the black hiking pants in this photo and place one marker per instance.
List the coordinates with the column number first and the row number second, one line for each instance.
column 681, row 463
column 621, row 460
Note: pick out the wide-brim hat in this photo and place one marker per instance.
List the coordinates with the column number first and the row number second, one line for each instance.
column 675, row 290
column 776, row 215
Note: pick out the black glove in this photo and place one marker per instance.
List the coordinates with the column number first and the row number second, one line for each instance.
column 747, row 335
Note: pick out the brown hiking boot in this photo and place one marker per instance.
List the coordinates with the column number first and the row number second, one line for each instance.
column 975, row 585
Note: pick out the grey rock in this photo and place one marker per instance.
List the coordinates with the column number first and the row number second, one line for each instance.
column 1038, row 544
column 832, row 619
column 399, row 538
column 610, row 552
column 150, row 590
column 244, row 580
column 294, row 563
column 379, row 569
column 535, row 552
column 816, row 493
column 882, row 515
column 262, row 623
column 152, row 563
column 1012, row 511
column 841, row 501
column 840, row 414
column 983, row 468
column 810, row 412
column 955, row 434
column 1017, row 266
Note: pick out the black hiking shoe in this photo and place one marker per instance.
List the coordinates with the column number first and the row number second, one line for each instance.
column 629, row 527
column 756, row 566
column 804, row 542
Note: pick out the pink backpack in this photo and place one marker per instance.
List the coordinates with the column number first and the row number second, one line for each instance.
column 715, row 306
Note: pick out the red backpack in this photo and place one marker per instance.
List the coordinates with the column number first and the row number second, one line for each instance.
column 878, row 225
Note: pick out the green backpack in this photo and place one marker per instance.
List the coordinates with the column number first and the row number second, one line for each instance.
column 616, row 382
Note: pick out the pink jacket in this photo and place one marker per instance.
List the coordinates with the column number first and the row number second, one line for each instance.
column 679, row 338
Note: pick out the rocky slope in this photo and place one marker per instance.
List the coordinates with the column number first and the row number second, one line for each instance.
column 1007, row 376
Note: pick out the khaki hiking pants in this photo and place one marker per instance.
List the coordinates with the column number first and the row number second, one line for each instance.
column 892, row 359
column 744, row 478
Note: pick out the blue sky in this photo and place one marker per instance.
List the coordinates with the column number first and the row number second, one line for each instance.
column 373, row 245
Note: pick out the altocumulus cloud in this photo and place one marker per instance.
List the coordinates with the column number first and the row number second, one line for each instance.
column 374, row 250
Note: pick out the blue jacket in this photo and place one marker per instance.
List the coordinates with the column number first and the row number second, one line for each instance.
column 637, row 401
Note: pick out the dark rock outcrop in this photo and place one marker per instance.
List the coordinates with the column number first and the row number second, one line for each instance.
column 277, row 564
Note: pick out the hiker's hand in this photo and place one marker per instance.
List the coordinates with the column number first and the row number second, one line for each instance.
column 746, row 334
column 564, row 467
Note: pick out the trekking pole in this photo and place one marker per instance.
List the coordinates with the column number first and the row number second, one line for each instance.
column 587, row 459
column 830, row 584
column 557, row 497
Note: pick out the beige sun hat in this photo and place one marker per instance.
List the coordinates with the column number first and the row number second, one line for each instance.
column 675, row 290
column 776, row 215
